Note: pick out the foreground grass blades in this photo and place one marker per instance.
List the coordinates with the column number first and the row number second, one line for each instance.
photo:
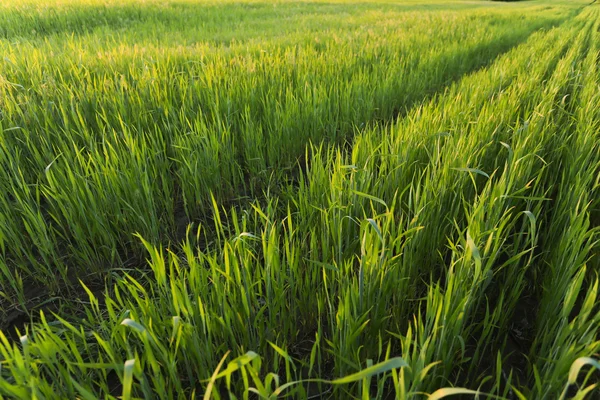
column 379, row 200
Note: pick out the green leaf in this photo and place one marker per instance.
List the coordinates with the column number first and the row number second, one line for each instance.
column 473, row 170
column 376, row 227
column 128, row 379
column 368, row 196
column 133, row 325
column 445, row 392
column 330, row 267
column 280, row 351
column 578, row 364
column 392, row 363
column 474, row 249
column 238, row 363
column 532, row 223
column 85, row 394
column 214, row 377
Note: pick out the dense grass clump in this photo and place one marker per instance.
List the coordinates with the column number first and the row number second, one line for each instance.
column 249, row 199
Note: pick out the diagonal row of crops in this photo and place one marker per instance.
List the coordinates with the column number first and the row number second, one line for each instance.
column 140, row 136
column 356, row 211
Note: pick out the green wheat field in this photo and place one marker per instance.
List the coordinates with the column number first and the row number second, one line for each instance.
column 304, row 199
